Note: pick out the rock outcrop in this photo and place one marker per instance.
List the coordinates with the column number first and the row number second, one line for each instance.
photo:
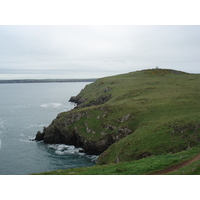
column 77, row 99
column 63, row 130
column 101, row 98
column 39, row 136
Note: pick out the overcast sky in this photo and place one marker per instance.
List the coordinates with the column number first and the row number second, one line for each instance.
column 95, row 51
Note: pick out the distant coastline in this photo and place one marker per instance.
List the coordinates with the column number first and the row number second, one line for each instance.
column 46, row 80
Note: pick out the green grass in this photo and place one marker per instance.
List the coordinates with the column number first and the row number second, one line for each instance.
column 164, row 110
column 170, row 101
column 138, row 167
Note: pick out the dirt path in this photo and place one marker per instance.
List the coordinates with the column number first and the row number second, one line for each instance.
column 176, row 167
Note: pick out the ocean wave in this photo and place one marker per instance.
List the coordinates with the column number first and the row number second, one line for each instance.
column 25, row 140
column 93, row 157
column 54, row 105
column 37, row 125
column 62, row 149
column 29, row 139
column 0, row 144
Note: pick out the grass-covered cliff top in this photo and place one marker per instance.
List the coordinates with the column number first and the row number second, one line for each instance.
column 160, row 109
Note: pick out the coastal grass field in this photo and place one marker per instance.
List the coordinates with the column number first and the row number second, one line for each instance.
column 160, row 106
column 143, row 166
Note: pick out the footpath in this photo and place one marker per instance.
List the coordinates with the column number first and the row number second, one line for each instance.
column 176, row 167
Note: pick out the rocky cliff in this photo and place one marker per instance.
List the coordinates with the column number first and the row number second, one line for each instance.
column 65, row 129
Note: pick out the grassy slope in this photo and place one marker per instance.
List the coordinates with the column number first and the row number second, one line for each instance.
column 139, row 167
column 164, row 115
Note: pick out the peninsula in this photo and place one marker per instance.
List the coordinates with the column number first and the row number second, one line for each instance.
column 138, row 123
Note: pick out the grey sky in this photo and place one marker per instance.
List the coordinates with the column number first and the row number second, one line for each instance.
column 95, row 51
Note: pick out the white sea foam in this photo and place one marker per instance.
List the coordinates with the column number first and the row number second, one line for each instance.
column 37, row 125
column 93, row 157
column 54, row 105
column 62, row 149
column 25, row 140
column 30, row 139
column 42, row 125
column 52, row 146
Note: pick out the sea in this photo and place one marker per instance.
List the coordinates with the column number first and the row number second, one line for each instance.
column 26, row 108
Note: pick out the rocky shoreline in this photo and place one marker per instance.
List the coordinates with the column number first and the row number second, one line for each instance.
column 63, row 131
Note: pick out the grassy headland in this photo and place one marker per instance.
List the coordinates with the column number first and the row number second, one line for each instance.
column 152, row 115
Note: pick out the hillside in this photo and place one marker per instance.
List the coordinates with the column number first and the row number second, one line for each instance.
column 136, row 117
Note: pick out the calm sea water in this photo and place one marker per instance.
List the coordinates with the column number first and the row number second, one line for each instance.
column 24, row 110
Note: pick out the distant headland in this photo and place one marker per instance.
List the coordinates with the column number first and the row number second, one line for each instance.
column 46, row 80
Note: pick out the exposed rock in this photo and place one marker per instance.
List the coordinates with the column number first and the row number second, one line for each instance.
column 58, row 132
column 77, row 99
column 81, row 151
column 88, row 130
column 125, row 118
column 39, row 136
column 106, row 89
column 64, row 129
column 73, row 99
column 103, row 133
column 121, row 133
column 80, row 101
column 184, row 130
column 143, row 155
column 109, row 127
column 54, row 135
column 117, row 159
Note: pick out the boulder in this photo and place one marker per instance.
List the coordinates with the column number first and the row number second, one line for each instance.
column 77, row 99
column 39, row 136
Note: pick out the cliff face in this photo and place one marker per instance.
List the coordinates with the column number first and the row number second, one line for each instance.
column 132, row 116
column 63, row 130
